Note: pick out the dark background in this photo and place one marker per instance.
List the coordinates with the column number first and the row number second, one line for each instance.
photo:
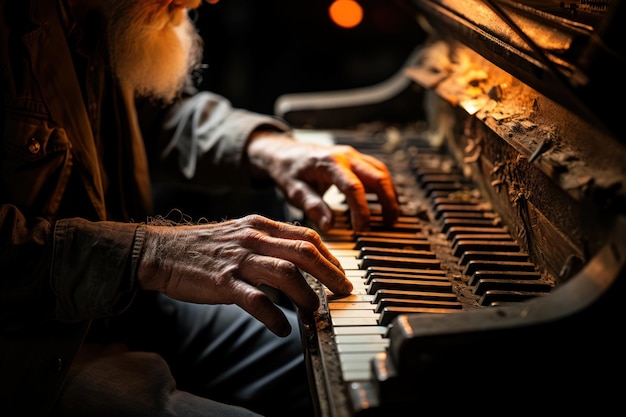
column 257, row 50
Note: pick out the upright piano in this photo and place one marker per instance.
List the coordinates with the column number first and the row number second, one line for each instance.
column 500, row 289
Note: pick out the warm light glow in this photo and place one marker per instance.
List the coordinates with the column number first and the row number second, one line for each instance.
column 212, row 1
column 346, row 13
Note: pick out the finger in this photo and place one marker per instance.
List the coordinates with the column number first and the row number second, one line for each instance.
column 294, row 232
column 376, row 177
column 284, row 276
column 351, row 186
column 311, row 203
column 261, row 307
column 303, row 247
column 306, row 257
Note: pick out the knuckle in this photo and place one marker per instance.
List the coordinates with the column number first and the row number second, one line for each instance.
column 307, row 250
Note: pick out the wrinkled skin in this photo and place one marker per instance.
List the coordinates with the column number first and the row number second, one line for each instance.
column 305, row 171
column 227, row 262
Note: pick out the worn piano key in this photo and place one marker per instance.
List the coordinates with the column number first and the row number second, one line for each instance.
column 391, row 312
column 489, row 237
column 397, row 227
column 492, row 256
column 456, row 230
column 349, row 262
column 517, row 285
column 386, row 242
column 355, row 366
column 354, row 330
column 391, row 275
column 433, row 178
column 467, row 215
column 376, row 219
column 407, row 271
column 478, row 275
column 476, row 223
column 408, row 284
column 363, row 347
column 397, row 262
column 403, row 302
column 483, row 245
column 468, row 200
column 340, row 245
column 473, row 266
column 354, row 321
column 441, row 189
column 441, row 207
column 495, row 297
column 351, row 298
column 411, row 295
column 394, row 234
column 350, row 305
column 404, row 253
column 361, row 338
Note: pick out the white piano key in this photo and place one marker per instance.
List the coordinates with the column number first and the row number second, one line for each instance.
column 342, row 313
column 354, row 321
column 364, row 330
column 352, row 298
column 362, row 339
column 349, row 262
column 361, row 347
column 334, row 307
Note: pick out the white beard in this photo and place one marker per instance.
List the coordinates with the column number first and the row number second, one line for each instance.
column 152, row 49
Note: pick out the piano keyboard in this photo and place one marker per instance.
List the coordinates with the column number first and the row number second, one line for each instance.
column 447, row 253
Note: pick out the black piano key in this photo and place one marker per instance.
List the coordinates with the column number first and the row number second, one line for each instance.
column 391, row 312
column 403, row 302
column 492, row 256
column 397, row 227
column 406, row 271
column 496, row 297
column 473, row 266
column 475, row 223
column 488, row 237
column 395, row 234
column 484, row 246
column 389, row 275
column 395, row 262
column 441, row 189
column 441, row 207
column 412, row 295
column 439, row 178
column 402, row 220
column 465, row 215
column 518, row 285
column 439, row 202
column 457, row 230
column 396, row 252
column 515, row 275
column 408, row 285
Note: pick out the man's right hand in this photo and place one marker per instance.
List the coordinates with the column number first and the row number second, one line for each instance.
column 227, row 262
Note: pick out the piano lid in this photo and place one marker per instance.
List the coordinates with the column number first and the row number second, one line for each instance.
column 571, row 52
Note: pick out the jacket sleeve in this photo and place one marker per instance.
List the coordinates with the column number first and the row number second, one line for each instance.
column 71, row 270
column 202, row 140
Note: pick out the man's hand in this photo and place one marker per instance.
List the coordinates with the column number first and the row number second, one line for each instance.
column 305, row 171
column 225, row 263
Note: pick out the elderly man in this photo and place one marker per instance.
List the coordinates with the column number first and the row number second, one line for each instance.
column 105, row 310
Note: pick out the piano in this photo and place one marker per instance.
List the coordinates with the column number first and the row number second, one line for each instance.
column 500, row 288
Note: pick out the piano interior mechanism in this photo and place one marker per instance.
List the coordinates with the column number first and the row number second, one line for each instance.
column 503, row 279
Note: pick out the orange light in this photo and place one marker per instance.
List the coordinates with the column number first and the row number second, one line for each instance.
column 212, row 1
column 346, row 13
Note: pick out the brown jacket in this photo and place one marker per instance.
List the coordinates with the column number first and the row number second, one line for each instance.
column 69, row 221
